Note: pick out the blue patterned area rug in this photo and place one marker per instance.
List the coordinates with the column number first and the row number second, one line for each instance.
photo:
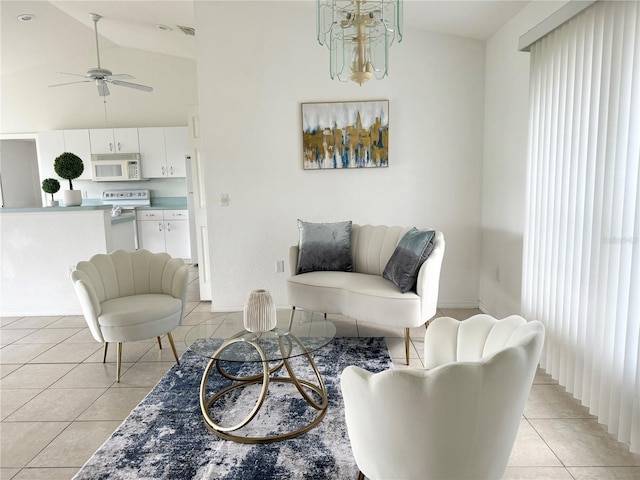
column 164, row 437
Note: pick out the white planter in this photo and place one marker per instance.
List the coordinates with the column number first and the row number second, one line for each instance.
column 52, row 203
column 72, row 198
column 260, row 312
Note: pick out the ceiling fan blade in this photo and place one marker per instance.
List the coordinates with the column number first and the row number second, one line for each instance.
column 122, row 76
column 103, row 89
column 69, row 83
column 74, row 74
column 137, row 86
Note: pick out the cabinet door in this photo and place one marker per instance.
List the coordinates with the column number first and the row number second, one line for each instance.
column 152, row 152
column 177, row 238
column 126, row 140
column 50, row 146
column 114, row 140
column 102, row 140
column 77, row 141
column 151, row 235
column 176, row 140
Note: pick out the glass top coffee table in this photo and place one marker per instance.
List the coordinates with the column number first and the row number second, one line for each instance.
column 296, row 334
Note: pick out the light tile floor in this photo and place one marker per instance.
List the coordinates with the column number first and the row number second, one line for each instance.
column 59, row 402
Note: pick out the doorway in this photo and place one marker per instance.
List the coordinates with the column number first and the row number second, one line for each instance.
column 19, row 177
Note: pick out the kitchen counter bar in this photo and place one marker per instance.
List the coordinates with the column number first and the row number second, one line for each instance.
column 39, row 248
column 81, row 208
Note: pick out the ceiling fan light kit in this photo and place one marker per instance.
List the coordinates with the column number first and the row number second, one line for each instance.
column 102, row 76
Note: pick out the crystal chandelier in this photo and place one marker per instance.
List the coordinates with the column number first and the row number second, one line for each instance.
column 358, row 34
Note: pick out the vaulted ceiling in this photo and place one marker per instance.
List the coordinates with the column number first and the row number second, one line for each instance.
column 63, row 29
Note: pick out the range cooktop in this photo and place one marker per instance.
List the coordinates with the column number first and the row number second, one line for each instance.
column 130, row 198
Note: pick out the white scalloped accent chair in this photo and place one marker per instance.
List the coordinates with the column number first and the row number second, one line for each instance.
column 131, row 296
column 455, row 419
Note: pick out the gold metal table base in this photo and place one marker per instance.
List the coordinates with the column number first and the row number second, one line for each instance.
column 265, row 378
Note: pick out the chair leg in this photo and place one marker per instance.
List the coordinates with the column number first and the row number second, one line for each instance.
column 104, row 355
column 406, row 344
column 293, row 311
column 173, row 347
column 360, row 475
column 119, row 350
column 159, row 343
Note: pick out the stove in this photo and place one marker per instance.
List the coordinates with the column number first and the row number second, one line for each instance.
column 127, row 199
column 125, row 202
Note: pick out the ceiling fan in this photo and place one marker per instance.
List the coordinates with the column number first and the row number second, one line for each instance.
column 102, row 76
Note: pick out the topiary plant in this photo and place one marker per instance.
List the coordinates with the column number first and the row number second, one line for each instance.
column 50, row 185
column 68, row 166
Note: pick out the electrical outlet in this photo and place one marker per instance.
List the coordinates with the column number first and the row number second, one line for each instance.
column 279, row 266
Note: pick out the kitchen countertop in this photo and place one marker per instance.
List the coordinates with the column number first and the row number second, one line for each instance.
column 166, row 203
column 158, row 203
column 55, row 209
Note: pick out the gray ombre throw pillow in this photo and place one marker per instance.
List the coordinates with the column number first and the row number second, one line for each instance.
column 324, row 246
column 412, row 251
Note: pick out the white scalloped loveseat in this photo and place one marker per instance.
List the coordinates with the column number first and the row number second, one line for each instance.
column 364, row 294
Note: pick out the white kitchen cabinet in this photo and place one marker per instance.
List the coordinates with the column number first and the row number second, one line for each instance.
column 162, row 151
column 114, row 140
column 52, row 143
column 153, row 156
column 165, row 231
column 151, row 231
column 176, row 140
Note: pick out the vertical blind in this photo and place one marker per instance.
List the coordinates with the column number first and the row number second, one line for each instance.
column 581, row 265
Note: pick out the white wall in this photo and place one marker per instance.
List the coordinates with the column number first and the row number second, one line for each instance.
column 506, row 124
column 253, row 75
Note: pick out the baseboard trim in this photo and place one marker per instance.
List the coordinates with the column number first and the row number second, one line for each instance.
column 485, row 309
column 458, row 305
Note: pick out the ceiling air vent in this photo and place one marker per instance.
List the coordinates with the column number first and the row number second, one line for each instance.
column 187, row 30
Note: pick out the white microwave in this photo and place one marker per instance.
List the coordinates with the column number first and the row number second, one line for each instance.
column 115, row 167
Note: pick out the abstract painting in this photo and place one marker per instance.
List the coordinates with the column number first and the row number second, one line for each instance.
column 345, row 134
